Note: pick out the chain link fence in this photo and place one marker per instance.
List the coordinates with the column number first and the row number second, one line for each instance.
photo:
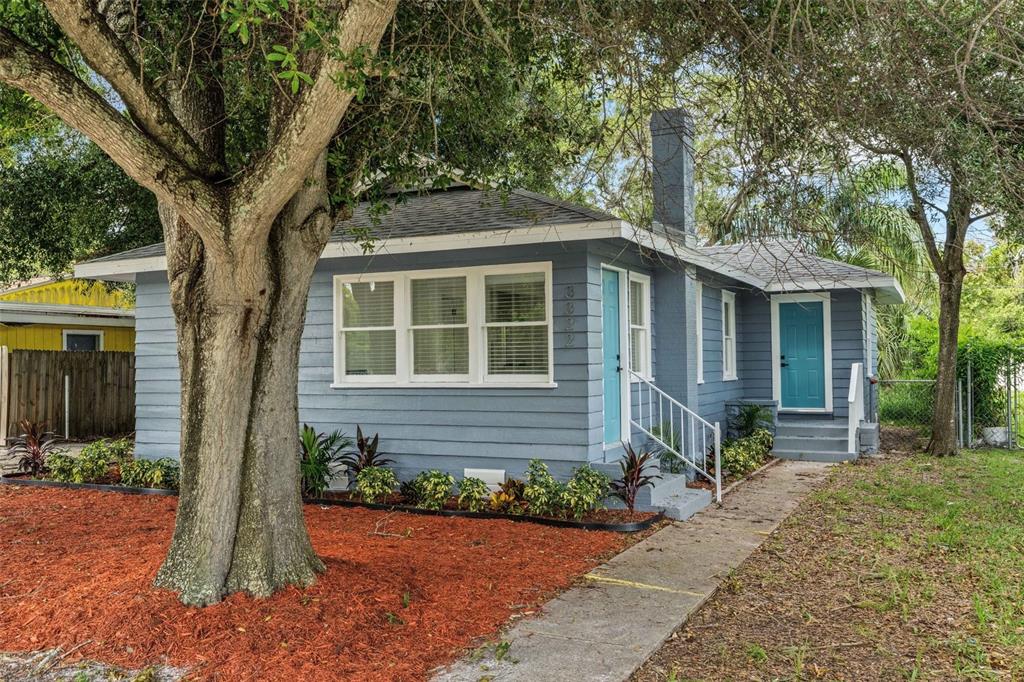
column 989, row 408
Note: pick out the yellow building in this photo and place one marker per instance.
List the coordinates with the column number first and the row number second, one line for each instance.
column 44, row 314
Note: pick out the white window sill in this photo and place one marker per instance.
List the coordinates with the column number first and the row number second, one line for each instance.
column 463, row 385
column 644, row 377
column 700, row 381
column 730, row 378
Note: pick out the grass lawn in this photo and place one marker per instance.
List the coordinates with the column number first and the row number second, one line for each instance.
column 904, row 567
column 402, row 593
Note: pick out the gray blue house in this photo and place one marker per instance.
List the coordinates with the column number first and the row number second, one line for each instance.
column 487, row 330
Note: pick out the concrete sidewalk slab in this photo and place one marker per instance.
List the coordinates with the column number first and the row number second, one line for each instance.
column 607, row 627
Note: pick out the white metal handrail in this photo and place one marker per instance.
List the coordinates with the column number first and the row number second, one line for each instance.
column 659, row 415
column 856, row 406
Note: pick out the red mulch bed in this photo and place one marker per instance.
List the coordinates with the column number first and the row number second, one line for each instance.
column 77, row 567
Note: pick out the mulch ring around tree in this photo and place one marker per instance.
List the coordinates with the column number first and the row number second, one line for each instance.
column 402, row 594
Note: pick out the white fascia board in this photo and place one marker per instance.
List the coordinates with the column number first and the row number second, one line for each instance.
column 126, row 269
column 8, row 317
column 887, row 288
column 538, row 234
column 61, row 309
column 120, row 270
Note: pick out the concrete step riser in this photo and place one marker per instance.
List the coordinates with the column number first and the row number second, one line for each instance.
column 686, row 505
column 808, row 456
column 807, row 431
column 812, row 444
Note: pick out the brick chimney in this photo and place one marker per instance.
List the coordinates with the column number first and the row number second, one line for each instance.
column 672, row 172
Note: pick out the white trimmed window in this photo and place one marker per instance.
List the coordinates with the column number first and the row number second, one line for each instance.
column 368, row 330
column 478, row 325
column 640, row 324
column 728, row 335
column 699, row 319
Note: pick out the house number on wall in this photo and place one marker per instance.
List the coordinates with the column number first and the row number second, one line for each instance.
column 570, row 318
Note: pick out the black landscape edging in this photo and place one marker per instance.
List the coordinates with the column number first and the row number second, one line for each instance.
column 633, row 527
column 23, row 479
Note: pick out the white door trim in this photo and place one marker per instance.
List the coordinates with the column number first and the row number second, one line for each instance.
column 625, row 428
column 826, row 311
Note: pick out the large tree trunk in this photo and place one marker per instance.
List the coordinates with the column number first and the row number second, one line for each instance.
column 240, row 525
column 944, row 433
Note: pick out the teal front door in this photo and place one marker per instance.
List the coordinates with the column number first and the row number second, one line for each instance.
column 802, row 355
column 610, row 336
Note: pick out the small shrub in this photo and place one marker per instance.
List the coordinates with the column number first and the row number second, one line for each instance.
column 33, row 446
column 432, row 488
column 750, row 418
column 110, row 451
column 374, row 483
column 320, row 455
column 743, row 455
column 585, row 490
column 634, row 476
column 88, row 467
column 61, row 467
column 151, row 473
column 366, row 454
column 670, row 462
column 509, row 500
column 542, row 492
column 473, row 494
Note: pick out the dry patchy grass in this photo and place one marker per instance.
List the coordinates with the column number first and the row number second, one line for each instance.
column 901, row 567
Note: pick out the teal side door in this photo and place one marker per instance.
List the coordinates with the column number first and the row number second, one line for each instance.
column 802, row 355
column 611, row 344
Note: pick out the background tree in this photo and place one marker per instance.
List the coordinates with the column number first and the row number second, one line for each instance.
column 63, row 200
column 935, row 88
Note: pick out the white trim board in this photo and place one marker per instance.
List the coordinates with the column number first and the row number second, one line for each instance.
column 826, row 311
column 699, row 320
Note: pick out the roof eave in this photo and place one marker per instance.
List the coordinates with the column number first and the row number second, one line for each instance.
column 887, row 290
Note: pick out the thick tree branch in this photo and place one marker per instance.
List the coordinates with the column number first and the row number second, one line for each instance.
column 84, row 109
column 919, row 214
column 108, row 56
column 266, row 188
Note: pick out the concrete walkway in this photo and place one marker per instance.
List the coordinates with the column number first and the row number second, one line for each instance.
column 605, row 629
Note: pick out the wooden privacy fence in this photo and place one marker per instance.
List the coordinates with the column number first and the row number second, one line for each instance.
column 79, row 394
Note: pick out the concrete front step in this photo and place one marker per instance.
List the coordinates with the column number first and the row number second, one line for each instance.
column 670, row 494
column 812, row 430
column 685, row 504
column 811, row 456
column 812, row 443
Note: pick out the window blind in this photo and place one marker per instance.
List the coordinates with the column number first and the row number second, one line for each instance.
column 516, row 319
column 368, row 331
column 440, row 334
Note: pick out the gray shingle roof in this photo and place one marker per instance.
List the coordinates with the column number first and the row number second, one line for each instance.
column 785, row 265
column 455, row 211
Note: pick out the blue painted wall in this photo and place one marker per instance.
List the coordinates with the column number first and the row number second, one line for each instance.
column 447, row 428
column 502, row 428
column 715, row 392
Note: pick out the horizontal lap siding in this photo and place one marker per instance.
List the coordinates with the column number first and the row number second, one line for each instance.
column 422, row 428
column 461, row 427
column 157, row 382
column 714, row 392
column 847, row 346
column 755, row 357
